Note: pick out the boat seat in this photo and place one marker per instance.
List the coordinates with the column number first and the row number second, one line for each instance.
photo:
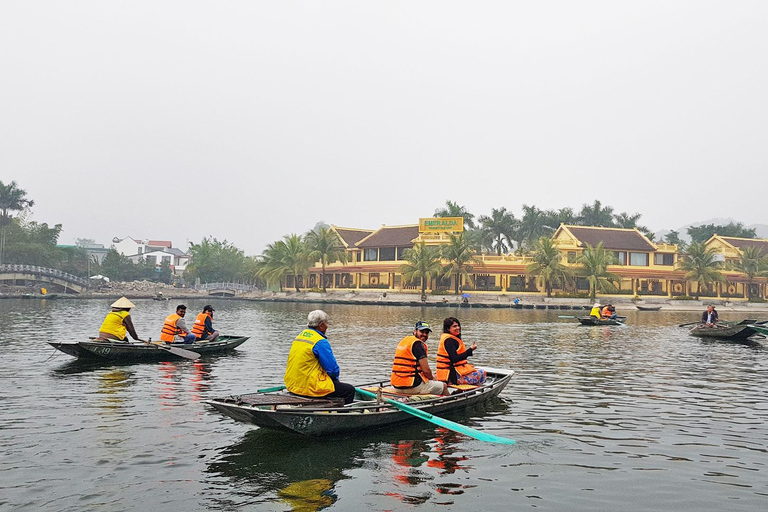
column 392, row 391
column 463, row 387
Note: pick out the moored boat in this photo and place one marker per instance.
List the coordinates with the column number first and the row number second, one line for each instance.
column 726, row 330
column 647, row 308
column 280, row 410
column 126, row 351
column 592, row 320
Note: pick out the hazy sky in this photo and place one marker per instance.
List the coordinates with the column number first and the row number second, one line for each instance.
column 251, row 120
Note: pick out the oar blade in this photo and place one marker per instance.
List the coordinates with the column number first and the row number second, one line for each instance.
column 181, row 352
column 451, row 425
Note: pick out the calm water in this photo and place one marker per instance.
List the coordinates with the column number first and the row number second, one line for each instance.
column 639, row 417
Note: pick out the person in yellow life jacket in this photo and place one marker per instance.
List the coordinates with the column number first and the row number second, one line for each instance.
column 410, row 370
column 595, row 311
column 118, row 322
column 203, row 326
column 312, row 370
column 452, row 365
column 174, row 328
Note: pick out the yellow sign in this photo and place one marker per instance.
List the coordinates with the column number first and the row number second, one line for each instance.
column 441, row 224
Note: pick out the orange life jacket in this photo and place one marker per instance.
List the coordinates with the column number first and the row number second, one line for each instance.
column 170, row 330
column 198, row 329
column 606, row 312
column 405, row 366
column 444, row 361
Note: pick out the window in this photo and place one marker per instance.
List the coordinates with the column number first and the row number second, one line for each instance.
column 621, row 257
column 167, row 260
column 663, row 259
column 401, row 252
column 571, row 256
column 370, row 254
column 387, row 254
column 151, row 260
column 141, row 250
column 638, row 259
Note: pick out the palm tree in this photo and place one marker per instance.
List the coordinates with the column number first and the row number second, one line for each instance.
column 533, row 225
column 498, row 229
column 562, row 216
column 423, row 263
column 454, row 210
column 701, row 266
column 547, row 264
column 460, row 257
column 12, row 199
column 752, row 263
column 324, row 245
column 594, row 263
column 596, row 215
column 286, row 256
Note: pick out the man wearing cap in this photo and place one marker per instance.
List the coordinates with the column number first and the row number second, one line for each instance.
column 203, row 326
column 312, row 370
column 118, row 321
column 174, row 328
column 410, row 370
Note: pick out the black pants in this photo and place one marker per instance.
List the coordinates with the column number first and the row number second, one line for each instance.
column 342, row 390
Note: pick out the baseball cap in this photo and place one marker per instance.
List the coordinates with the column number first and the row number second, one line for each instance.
column 208, row 308
column 423, row 326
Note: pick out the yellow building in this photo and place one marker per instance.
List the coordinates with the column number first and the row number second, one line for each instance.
column 729, row 250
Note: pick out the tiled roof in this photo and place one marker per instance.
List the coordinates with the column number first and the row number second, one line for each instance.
column 394, row 236
column 351, row 236
column 159, row 243
column 616, row 239
column 741, row 243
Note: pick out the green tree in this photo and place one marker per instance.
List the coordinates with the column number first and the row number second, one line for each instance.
column 461, row 259
column 12, row 199
column 454, row 210
column 214, row 261
column 422, row 263
column 116, row 266
column 288, row 256
column 673, row 238
column 596, row 215
column 562, row 216
column 701, row 266
column 498, row 229
column 594, row 263
column 752, row 263
column 533, row 225
column 324, row 246
column 705, row 231
column 547, row 265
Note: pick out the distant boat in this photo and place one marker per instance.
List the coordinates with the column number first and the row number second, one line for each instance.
column 593, row 320
column 648, row 308
column 726, row 330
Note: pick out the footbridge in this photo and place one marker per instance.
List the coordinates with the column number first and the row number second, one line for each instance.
column 42, row 275
column 225, row 289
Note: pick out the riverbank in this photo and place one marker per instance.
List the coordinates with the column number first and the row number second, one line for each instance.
column 475, row 300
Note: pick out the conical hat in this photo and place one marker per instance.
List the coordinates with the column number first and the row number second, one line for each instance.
column 123, row 302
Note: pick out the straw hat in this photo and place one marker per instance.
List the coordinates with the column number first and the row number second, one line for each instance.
column 597, row 305
column 123, row 302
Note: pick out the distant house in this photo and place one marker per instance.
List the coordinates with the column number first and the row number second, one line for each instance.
column 728, row 249
column 156, row 252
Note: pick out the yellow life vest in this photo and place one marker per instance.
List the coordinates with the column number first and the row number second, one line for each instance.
column 595, row 312
column 113, row 324
column 303, row 373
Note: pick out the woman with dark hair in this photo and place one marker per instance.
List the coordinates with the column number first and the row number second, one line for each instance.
column 452, row 365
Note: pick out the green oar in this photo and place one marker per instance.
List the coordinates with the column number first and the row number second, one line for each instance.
column 456, row 427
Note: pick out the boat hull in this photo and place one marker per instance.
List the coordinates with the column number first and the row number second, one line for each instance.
column 737, row 332
column 361, row 415
column 125, row 351
column 591, row 320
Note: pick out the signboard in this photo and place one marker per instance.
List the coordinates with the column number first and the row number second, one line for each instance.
column 441, row 225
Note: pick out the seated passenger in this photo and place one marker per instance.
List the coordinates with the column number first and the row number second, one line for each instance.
column 452, row 365
column 174, row 328
column 203, row 326
column 410, row 370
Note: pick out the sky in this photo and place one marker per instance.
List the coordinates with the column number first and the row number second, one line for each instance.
column 248, row 120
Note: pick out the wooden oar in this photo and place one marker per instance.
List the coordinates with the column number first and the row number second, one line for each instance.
column 691, row 323
column 567, row 316
column 437, row 420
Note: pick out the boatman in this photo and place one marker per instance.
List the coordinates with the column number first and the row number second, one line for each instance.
column 709, row 317
column 595, row 310
column 410, row 370
column 203, row 326
column 118, row 322
column 312, row 370
column 174, row 328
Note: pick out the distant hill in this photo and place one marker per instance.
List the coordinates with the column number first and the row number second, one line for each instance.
column 761, row 230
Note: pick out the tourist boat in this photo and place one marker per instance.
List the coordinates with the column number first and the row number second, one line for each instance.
column 727, row 330
column 278, row 409
column 648, row 308
column 126, row 351
column 592, row 320
column 761, row 330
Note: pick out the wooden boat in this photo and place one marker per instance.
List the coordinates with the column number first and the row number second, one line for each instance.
column 591, row 320
column 648, row 308
column 126, row 351
column 278, row 409
column 762, row 330
column 726, row 330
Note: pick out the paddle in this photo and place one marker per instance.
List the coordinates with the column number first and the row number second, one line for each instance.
column 567, row 316
column 688, row 324
column 456, row 427
column 187, row 354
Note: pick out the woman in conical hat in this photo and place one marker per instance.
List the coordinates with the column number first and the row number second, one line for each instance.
column 118, row 321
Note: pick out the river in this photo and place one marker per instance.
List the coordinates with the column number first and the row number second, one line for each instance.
column 636, row 417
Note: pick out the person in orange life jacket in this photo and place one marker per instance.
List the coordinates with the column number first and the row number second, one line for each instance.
column 203, row 326
column 410, row 370
column 312, row 370
column 175, row 329
column 608, row 311
column 118, row 322
column 452, row 365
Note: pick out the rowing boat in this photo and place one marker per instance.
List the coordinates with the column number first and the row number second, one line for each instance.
column 726, row 330
column 278, row 409
column 592, row 320
column 648, row 308
column 125, row 351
